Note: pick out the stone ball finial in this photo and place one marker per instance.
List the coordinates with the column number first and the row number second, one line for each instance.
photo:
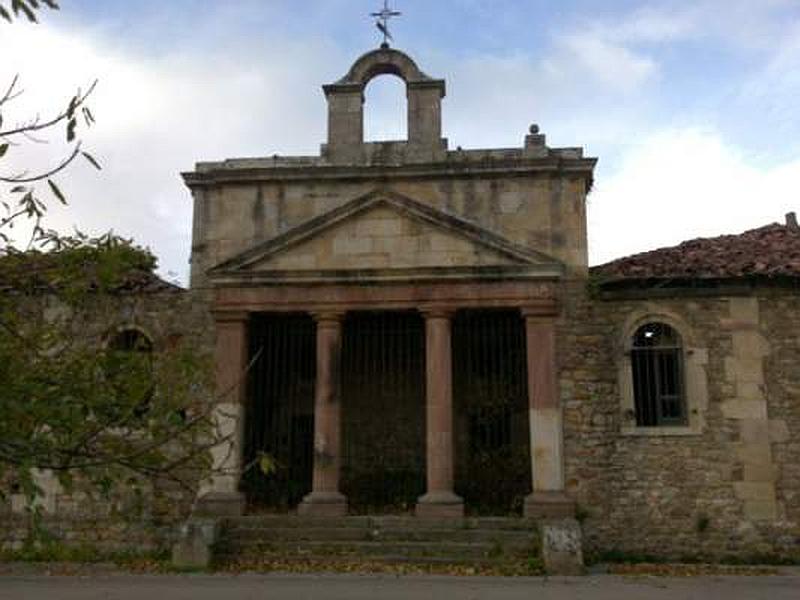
column 534, row 129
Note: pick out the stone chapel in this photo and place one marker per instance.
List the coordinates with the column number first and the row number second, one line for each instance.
column 410, row 334
column 398, row 286
column 424, row 336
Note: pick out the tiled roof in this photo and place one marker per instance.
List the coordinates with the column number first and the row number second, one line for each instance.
column 772, row 251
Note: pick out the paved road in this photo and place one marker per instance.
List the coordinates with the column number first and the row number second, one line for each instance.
column 335, row 587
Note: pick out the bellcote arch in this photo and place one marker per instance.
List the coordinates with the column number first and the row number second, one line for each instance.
column 346, row 111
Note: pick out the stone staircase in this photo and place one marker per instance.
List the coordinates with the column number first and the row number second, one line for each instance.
column 385, row 539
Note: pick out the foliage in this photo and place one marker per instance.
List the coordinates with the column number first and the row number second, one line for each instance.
column 71, row 400
column 20, row 192
column 76, row 404
column 25, row 8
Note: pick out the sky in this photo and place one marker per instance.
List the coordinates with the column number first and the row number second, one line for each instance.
column 690, row 105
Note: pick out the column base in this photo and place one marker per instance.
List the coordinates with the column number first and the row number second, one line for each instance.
column 440, row 505
column 323, row 504
column 549, row 505
column 219, row 504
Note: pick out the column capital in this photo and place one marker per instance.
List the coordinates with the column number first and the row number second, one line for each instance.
column 328, row 317
column 437, row 312
column 539, row 314
column 230, row 316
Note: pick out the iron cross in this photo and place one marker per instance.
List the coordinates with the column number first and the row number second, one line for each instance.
column 383, row 21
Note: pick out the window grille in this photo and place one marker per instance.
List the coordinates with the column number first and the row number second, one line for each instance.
column 658, row 383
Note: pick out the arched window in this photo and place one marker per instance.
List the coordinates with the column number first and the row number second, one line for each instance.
column 129, row 367
column 131, row 340
column 385, row 114
column 658, row 376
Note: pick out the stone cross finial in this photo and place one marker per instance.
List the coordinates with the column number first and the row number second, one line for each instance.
column 383, row 22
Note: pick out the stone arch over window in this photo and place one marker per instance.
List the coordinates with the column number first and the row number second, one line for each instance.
column 130, row 339
column 662, row 375
column 127, row 340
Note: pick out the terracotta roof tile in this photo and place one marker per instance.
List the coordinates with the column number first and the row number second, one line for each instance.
column 772, row 251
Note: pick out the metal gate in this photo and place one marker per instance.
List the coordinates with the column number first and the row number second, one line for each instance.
column 383, row 411
column 279, row 417
column 490, row 396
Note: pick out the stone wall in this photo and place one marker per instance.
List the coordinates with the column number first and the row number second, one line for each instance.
column 543, row 212
column 126, row 521
column 730, row 487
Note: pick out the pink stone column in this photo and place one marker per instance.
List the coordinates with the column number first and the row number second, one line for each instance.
column 440, row 500
column 325, row 498
column 547, row 439
column 220, row 496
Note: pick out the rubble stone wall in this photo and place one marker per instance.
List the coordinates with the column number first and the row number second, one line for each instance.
column 730, row 489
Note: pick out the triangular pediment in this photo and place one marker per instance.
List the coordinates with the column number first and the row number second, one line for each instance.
column 385, row 233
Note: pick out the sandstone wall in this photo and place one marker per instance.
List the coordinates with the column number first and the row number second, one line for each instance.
column 731, row 489
column 544, row 212
column 126, row 521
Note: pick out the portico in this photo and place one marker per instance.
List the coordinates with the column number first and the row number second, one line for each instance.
column 390, row 245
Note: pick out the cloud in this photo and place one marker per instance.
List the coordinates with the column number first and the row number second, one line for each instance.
column 156, row 116
column 679, row 184
column 610, row 64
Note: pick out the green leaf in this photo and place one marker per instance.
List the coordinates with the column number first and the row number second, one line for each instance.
column 18, row 189
column 5, row 14
column 267, row 464
column 57, row 192
column 3, row 149
column 93, row 162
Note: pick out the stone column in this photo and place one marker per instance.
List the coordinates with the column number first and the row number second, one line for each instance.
column 221, row 496
column 440, row 500
column 325, row 498
column 547, row 438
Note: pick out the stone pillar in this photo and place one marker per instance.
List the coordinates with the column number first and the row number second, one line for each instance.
column 221, row 496
column 440, row 500
column 547, row 438
column 325, row 498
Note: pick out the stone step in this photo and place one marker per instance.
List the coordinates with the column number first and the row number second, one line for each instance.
column 267, row 522
column 244, row 533
column 445, row 552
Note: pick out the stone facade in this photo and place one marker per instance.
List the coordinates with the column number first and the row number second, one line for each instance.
column 125, row 522
column 727, row 488
column 414, row 226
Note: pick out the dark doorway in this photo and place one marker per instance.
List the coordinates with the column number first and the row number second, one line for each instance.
column 490, row 398
column 279, row 417
column 383, row 411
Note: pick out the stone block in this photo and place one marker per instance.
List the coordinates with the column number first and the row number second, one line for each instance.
column 750, row 391
column 779, row 431
column 195, row 546
column 754, row 454
column 766, row 510
column 744, row 310
column 323, row 504
column 755, row 491
column 760, row 473
column 347, row 245
column 749, row 344
column 754, row 431
column 220, row 504
column 380, row 227
column 562, row 547
column 440, row 505
column 744, row 409
column 549, row 505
